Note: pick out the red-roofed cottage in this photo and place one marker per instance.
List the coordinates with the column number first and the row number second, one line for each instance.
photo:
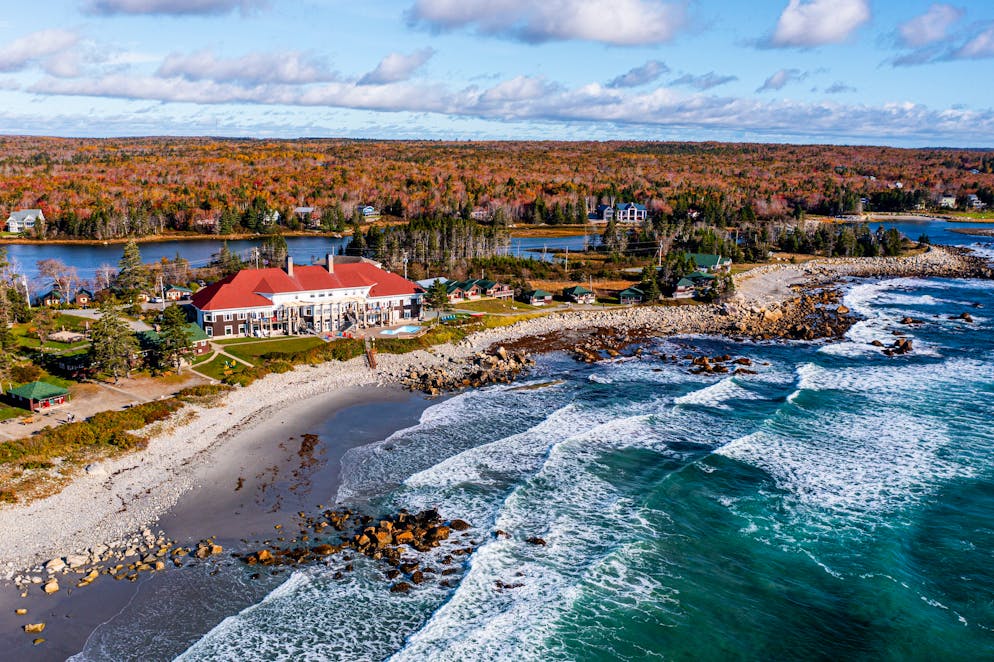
column 344, row 292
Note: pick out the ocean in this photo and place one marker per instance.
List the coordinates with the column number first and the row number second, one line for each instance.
column 837, row 504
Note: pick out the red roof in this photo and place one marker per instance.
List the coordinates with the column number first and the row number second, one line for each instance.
column 245, row 288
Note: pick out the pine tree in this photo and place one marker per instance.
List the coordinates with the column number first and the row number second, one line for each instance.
column 132, row 276
column 649, row 284
column 174, row 337
column 275, row 250
column 437, row 296
column 113, row 343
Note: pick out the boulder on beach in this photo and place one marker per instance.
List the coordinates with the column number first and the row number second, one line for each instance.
column 34, row 628
column 52, row 586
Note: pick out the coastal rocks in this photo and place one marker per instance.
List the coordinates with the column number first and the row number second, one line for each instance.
column 482, row 368
column 206, row 548
column 602, row 344
column 966, row 317
column 51, row 586
column 900, row 346
column 55, row 565
column 21, row 611
column 34, row 628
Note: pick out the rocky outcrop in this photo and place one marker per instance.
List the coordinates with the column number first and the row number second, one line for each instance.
column 497, row 367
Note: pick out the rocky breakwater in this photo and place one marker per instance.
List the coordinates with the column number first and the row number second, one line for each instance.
column 601, row 344
column 398, row 540
column 499, row 366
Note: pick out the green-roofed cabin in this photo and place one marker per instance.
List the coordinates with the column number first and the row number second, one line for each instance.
column 578, row 294
column 536, row 297
column 38, row 396
column 199, row 341
column 631, row 295
column 710, row 262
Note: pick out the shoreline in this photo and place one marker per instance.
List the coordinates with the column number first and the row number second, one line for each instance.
column 126, row 494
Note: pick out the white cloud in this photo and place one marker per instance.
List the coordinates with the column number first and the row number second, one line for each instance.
column 397, row 67
column 537, row 100
column 781, row 79
column 291, row 67
column 172, row 7
column 979, row 47
column 704, row 81
column 643, row 75
column 616, row 22
column 838, row 87
column 804, row 24
column 930, row 27
column 34, row 48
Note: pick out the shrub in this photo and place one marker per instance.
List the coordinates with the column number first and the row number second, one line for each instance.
column 25, row 372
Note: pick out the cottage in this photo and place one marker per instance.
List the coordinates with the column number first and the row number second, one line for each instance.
column 603, row 213
column 303, row 213
column 947, row 201
column 38, row 396
column 178, row 293
column 333, row 297
column 454, row 291
column 536, row 297
column 51, row 298
column 578, row 294
column 199, row 342
column 368, row 211
column 693, row 284
column 83, row 298
column 709, row 262
column 631, row 295
column 25, row 219
column 974, row 202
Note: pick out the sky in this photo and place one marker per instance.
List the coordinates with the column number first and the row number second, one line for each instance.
column 907, row 73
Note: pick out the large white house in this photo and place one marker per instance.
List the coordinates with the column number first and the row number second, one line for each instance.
column 24, row 219
column 342, row 294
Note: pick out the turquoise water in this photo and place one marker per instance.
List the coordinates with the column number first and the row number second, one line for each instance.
column 837, row 505
column 409, row 328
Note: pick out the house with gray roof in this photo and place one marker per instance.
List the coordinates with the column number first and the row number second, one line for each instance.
column 23, row 219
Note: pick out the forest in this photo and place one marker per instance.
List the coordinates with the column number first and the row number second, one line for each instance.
column 114, row 188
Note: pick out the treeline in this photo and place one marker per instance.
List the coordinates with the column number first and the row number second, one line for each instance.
column 133, row 187
column 438, row 240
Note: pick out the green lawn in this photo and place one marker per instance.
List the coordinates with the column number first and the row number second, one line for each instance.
column 972, row 215
column 197, row 360
column 218, row 367
column 7, row 413
column 252, row 351
column 493, row 306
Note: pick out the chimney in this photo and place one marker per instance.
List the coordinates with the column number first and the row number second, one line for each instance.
column 331, row 263
column 289, row 266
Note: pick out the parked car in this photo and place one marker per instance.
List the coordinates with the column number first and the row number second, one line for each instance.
column 156, row 300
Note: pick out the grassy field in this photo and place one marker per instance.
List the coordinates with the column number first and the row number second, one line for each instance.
column 493, row 306
column 252, row 351
column 553, row 231
column 987, row 215
column 219, row 368
column 7, row 413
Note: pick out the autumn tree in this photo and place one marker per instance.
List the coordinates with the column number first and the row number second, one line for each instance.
column 44, row 323
column 113, row 343
column 64, row 277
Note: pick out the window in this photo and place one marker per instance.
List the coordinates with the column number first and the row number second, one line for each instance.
column 407, row 314
column 210, row 331
column 241, row 316
column 241, row 329
column 227, row 330
column 227, row 317
column 208, row 317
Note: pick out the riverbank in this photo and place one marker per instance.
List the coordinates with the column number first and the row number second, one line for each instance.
column 153, row 238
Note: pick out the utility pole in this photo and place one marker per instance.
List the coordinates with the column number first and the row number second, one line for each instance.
column 27, row 292
column 405, row 266
column 567, row 260
column 162, row 292
column 660, row 265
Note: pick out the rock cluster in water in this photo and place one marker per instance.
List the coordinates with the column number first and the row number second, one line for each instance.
column 496, row 367
column 390, row 540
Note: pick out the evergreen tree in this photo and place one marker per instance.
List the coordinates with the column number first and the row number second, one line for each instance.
column 174, row 337
column 649, row 284
column 132, row 275
column 6, row 338
column 274, row 250
column 113, row 343
column 437, row 297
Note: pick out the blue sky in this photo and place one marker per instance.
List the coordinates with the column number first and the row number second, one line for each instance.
column 906, row 73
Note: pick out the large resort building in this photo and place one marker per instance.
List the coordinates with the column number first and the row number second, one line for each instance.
column 341, row 295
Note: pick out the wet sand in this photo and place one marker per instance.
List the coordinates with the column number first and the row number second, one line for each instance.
column 259, row 479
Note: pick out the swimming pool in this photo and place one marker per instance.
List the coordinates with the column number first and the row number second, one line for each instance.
column 409, row 328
